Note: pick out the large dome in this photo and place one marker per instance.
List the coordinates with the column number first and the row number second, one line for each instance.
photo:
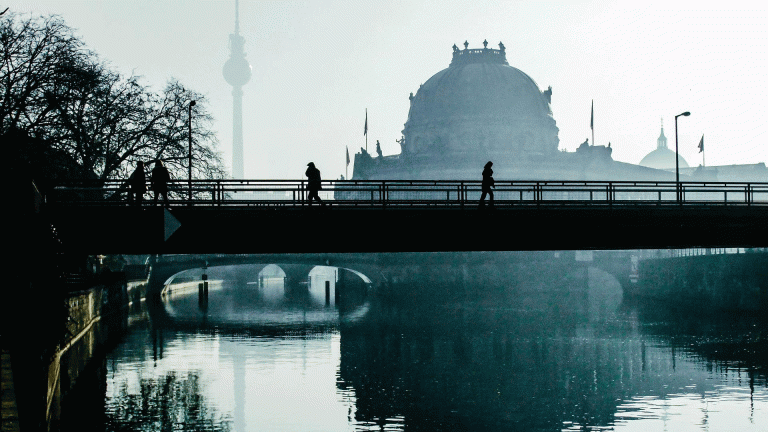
column 481, row 104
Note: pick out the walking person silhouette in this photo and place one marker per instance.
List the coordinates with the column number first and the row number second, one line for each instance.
column 487, row 184
column 314, row 184
column 138, row 185
column 160, row 179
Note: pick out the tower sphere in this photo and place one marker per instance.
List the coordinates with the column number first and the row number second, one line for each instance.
column 237, row 71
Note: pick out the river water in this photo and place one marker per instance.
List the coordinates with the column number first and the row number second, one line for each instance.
column 262, row 355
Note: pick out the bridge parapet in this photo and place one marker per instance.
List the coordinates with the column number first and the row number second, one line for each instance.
column 408, row 193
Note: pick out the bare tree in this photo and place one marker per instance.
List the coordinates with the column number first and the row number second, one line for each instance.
column 36, row 54
column 58, row 93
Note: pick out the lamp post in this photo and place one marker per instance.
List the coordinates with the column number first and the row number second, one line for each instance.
column 191, row 104
column 677, row 161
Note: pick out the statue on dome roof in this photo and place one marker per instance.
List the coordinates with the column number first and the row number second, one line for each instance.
column 548, row 94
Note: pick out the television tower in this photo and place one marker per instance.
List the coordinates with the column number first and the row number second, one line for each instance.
column 237, row 72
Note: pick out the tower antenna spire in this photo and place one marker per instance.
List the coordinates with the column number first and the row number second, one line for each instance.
column 237, row 17
column 237, row 72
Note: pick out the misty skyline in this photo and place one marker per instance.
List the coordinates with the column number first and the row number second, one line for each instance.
column 317, row 67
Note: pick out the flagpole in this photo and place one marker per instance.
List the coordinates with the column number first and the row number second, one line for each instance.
column 592, row 122
column 366, row 130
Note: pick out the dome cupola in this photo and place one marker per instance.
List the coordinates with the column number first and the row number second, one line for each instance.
column 662, row 157
column 481, row 105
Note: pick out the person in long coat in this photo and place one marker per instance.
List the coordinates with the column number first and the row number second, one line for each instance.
column 160, row 179
column 487, row 185
column 314, row 184
column 137, row 185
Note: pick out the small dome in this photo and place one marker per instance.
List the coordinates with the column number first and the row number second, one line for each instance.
column 662, row 158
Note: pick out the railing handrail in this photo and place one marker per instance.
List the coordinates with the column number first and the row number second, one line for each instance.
column 436, row 181
column 383, row 192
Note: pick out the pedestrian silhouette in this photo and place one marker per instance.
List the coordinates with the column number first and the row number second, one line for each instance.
column 313, row 174
column 487, row 184
column 160, row 179
column 138, row 185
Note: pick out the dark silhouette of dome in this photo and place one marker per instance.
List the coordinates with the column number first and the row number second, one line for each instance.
column 481, row 103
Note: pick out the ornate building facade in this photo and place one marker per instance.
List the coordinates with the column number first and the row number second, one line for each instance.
column 482, row 109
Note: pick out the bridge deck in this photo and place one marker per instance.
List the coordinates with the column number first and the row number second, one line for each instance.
column 239, row 216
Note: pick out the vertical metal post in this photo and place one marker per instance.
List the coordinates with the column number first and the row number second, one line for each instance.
column 747, row 195
column 189, row 168
column 677, row 162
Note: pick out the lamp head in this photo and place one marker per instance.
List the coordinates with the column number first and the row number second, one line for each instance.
column 686, row 113
column 192, row 103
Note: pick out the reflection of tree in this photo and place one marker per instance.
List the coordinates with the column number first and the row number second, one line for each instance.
column 172, row 402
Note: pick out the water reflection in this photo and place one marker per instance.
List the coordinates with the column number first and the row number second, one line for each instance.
column 276, row 353
column 155, row 403
column 479, row 369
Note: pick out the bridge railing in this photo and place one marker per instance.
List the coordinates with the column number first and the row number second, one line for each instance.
column 403, row 193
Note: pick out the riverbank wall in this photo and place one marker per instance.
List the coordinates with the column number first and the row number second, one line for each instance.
column 705, row 283
column 97, row 319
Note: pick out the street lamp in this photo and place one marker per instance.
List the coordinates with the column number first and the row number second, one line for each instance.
column 677, row 160
column 191, row 104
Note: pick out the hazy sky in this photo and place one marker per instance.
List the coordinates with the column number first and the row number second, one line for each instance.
column 317, row 66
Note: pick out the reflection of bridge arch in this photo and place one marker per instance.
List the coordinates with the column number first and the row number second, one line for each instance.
column 385, row 270
column 296, row 266
column 295, row 269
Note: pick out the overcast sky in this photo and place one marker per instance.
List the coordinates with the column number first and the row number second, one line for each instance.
column 318, row 65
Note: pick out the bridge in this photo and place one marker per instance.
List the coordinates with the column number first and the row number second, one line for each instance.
column 273, row 216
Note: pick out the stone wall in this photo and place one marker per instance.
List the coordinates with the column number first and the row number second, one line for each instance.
column 736, row 282
column 97, row 319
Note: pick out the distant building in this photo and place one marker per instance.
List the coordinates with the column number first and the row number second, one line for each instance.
column 662, row 157
column 481, row 109
column 757, row 172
